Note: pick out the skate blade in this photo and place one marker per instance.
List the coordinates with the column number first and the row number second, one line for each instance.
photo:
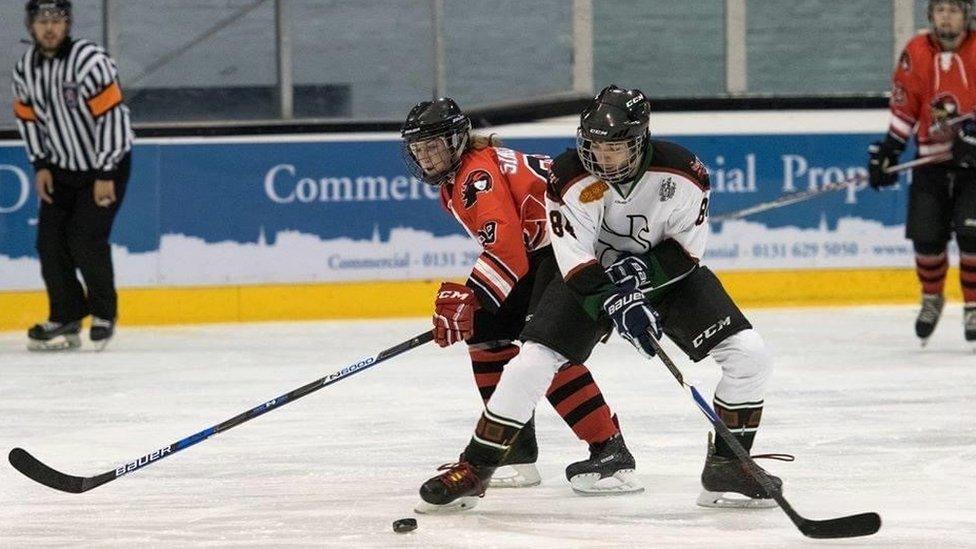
column 622, row 482
column 522, row 475
column 456, row 506
column 732, row 500
column 100, row 345
column 69, row 342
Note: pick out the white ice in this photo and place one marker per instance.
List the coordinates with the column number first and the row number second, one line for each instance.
column 876, row 424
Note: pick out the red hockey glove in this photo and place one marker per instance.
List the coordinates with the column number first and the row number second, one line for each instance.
column 454, row 313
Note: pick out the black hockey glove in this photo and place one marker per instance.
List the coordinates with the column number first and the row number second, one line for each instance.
column 634, row 319
column 881, row 156
column 964, row 145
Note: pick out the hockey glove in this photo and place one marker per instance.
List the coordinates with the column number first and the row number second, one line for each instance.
column 634, row 319
column 454, row 313
column 964, row 145
column 881, row 156
column 629, row 272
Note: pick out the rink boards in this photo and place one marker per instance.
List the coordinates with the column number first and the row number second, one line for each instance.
column 265, row 228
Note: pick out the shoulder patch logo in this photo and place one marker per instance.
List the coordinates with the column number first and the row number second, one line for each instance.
column 667, row 189
column 488, row 233
column 905, row 61
column 478, row 181
column 594, row 192
column 898, row 95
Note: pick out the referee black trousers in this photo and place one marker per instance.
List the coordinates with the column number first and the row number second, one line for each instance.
column 72, row 235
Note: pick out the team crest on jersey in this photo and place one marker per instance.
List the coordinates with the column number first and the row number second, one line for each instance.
column 905, row 62
column 488, row 233
column 70, row 93
column 667, row 189
column 594, row 192
column 478, row 181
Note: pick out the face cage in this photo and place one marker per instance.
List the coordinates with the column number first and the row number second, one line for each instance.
column 635, row 150
column 456, row 140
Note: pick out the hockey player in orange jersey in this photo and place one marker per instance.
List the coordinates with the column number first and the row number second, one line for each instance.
column 935, row 81
column 498, row 196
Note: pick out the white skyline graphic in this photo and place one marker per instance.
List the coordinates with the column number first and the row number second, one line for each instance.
column 411, row 254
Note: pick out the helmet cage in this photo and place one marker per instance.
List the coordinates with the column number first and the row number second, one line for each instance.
column 615, row 173
column 452, row 133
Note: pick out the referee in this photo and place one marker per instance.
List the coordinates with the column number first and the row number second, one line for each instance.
column 78, row 137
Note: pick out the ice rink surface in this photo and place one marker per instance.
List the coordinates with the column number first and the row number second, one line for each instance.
column 876, row 424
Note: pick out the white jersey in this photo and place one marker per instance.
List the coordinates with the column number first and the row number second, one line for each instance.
column 593, row 223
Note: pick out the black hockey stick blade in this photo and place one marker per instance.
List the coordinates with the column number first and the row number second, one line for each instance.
column 853, row 526
column 33, row 469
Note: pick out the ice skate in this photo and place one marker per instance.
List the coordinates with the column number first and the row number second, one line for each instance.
column 969, row 324
column 609, row 470
column 458, row 488
column 928, row 316
column 727, row 484
column 101, row 332
column 518, row 469
column 54, row 336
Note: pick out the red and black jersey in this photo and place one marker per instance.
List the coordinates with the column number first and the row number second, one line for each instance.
column 931, row 85
column 498, row 196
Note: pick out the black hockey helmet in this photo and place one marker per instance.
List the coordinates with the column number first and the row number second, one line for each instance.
column 615, row 117
column 37, row 8
column 435, row 136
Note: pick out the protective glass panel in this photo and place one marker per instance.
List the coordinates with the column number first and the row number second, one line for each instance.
column 663, row 47
column 809, row 47
column 373, row 58
column 185, row 60
column 507, row 50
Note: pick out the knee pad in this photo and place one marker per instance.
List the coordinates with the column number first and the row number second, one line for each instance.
column 929, row 248
column 746, row 365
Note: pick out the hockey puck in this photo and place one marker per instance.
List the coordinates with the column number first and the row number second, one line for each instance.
column 404, row 525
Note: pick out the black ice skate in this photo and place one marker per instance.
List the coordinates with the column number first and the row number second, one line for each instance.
column 458, row 488
column 54, row 336
column 928, row 316
column 517, row 469
column 724, row 476
column 969, row 323
column 610, row 470
column 101, row 332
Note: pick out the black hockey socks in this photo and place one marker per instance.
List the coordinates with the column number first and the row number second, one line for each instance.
column 742, row 419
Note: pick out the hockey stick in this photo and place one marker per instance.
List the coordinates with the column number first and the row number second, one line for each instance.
column 802, row 196
column 851, row 526
column 39, row 472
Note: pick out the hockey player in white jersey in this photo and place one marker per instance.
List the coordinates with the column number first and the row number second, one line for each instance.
column 628, row 224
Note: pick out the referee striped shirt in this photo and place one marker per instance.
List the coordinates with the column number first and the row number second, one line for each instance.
column 69, row 109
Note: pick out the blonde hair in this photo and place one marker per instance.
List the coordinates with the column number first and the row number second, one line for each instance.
column 479, row 142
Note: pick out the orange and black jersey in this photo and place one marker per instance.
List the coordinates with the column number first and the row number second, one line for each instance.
column 497, row 195
column 69, row 109
column 930, row 85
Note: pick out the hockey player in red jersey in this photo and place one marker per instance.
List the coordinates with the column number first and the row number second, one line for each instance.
column 627, row 224
column 497, row 195
column 935, row 81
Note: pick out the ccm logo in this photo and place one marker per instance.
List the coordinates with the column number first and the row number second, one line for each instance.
column 133, row 465
column 452, row 294
column 712, row 330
